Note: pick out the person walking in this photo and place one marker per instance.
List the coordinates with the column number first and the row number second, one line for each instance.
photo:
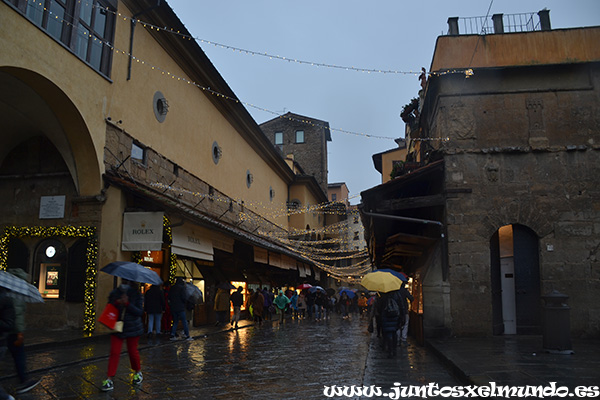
column 177, row 300
column 302, row 305
column 258, row 303
column 154, row 305
column 130, row 304
column 391, row 318
column 7, row 324
column 15, row 339
column 344, row 305
column 237, row 299
column 405, row 294
column 320, row 303
column 221, row 306
column 268, row 303
column 294, row 304
column 281, row 302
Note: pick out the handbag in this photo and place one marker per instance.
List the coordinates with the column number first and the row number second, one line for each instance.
column 110, row 318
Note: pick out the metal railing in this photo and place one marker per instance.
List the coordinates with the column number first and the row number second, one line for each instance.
column 523, row 22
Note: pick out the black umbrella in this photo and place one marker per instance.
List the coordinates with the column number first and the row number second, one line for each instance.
column 132, row 272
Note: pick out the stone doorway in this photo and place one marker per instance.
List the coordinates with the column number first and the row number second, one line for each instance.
column 515, row 281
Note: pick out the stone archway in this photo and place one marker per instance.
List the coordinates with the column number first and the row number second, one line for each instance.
column 32, row 106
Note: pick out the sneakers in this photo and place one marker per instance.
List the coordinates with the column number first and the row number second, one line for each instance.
column 107, row 385
column 173, row 338
column 27, row 386
column 189, row 338
column 137, row 378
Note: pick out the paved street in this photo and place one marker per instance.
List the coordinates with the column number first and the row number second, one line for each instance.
column 293, row 361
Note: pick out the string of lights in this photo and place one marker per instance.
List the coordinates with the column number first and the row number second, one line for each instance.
column 92, row 251
column 84, row 32
column 85, row 232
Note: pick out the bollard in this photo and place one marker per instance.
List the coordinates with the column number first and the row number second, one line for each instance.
column 556, row 327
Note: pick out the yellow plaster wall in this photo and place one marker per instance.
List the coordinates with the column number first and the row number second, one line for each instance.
column 190, row 127
column 306, row 198
column 387, row 160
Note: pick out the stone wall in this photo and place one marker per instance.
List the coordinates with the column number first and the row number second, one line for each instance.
column 311, row 155
column 556, row 194
column 528, row 158
column 184, row 190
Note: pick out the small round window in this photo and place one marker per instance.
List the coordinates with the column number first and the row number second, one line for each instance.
column 271, row 193
column 217, row 152
column 161, row 106
column 249, row 178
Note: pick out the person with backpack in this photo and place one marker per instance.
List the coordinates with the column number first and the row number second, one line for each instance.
column 391, row 318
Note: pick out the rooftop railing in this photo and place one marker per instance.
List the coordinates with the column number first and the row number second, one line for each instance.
column 499, row 23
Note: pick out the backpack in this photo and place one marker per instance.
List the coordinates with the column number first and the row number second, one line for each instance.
column 391, row 308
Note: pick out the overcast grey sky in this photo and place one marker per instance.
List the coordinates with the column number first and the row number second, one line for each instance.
column 396, row 35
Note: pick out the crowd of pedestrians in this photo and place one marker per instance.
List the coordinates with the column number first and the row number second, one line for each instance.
column 168, row 310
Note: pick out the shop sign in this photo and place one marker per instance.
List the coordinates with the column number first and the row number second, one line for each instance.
column 192, row 241
column 142, row 231
column 152, row 257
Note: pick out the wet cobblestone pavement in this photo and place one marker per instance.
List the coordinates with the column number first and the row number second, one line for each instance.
column 293, row 361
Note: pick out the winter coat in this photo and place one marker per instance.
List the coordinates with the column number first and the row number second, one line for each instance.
column 154, row 300
column 177, row 297
column 221, row 300
column 237, row 299
column 132, row 317
column 268, row 299
column 7, row 317
column 258, row 303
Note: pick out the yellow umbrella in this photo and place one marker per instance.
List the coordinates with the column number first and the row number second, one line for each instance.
column 381, row 281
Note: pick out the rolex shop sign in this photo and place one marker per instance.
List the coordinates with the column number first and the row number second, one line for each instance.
column 142, row 231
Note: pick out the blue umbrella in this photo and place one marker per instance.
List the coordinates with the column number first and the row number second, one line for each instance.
column 132, row 272
column 315, row 288
column 397, row 274
column 348, row 292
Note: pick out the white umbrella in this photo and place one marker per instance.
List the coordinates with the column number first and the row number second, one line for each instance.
column 19, row 289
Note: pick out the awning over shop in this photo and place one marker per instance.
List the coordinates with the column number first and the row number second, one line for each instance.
column 192, row 241
column 142, row 231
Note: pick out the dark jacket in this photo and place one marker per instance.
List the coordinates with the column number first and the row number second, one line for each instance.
column 390, row 323
column 405, row 295
column 7, row 317
column 177, row 297
column 154, row 300
column 132, row 318
column 237, row 299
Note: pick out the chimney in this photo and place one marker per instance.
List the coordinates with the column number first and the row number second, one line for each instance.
column 453, row 26
column 544, row 19
column 498, row 23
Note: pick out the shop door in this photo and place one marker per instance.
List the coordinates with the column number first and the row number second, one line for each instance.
column 527, row 281
column 497, row 319
column 515, row 281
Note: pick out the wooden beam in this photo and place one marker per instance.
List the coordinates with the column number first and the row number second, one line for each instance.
column 411, row 202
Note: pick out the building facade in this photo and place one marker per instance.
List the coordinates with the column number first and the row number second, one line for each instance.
column 305, row 138
column 114, row 148
column 503, row 208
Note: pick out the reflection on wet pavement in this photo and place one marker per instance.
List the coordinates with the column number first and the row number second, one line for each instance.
column 292, row 361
